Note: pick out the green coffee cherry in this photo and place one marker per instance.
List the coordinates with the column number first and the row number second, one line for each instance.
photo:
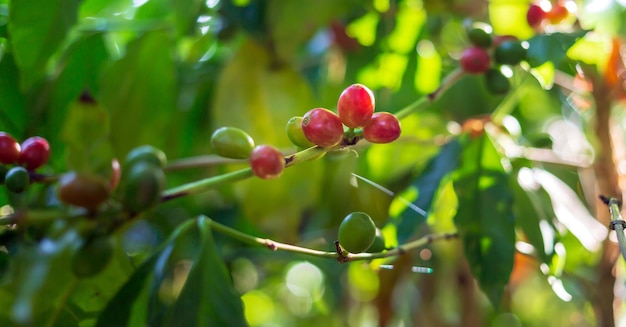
column 295, row 133
column 231, row 142
column 509, row 53
column 3, row 172
column 496, row 82
column 17, row 179
column 92, row 257
column 357, row 232
column 146, row 153
column 480, row 35
column 142, row 186
column 379, row 243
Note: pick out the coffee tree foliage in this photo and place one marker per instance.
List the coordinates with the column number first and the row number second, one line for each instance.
column 500, row 161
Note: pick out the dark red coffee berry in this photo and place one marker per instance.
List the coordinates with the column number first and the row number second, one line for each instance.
column 535, row 15
column 475, row 60
column 322, row 127
column 35, row 152
column 9, row 149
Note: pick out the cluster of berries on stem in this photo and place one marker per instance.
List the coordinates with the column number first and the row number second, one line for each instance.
column 18, row 160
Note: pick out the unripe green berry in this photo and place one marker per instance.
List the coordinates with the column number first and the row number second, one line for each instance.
column 232, row 142
column 143, row 185
column 356, row 232
column 17, row 179
column 379, row 243
column 496, row 82
column 146, row 153
column 480, row 35
column 295, row 133
column 510, row 53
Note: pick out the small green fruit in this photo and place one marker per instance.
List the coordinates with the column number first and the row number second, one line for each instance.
column 480, row 35
column 92, row 257
column 510, row 53
column 143, row 185
column 357, row 232
column 295, row 133
column 17, row 179
column 496, row 82
column 146, row 153
column 231, row 142
column 379, row 243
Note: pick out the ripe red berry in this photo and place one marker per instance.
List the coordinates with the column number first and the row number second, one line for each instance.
column 356, row 105
column 322, row 127
column 266, row 162
column 475, row 60
column 9, row 149
column 35, row 152
column 382, row 128
column 535, row 15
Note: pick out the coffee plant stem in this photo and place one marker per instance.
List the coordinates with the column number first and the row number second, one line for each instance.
column 206, row 184
column 341, row 257
column 428, row 99
column 617, row 222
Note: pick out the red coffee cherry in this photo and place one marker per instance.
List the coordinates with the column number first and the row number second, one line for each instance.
column 475, row 60
column 35, row 152
column 535, row 15
column 322, row 127
column 382, row 128
column 355, row 105
column 266, row 161
column 9, row 149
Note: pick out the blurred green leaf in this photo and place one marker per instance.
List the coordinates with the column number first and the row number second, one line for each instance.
column 37, row 34
column 207, row 297
column 41, row 282
column 13, row 112
column 529, row 212
column 139, row 90
column 425, row 187
column 551, row 47
column 485, row 215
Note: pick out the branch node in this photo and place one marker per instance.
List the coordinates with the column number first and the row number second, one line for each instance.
column 271, row 245
column 613, row 223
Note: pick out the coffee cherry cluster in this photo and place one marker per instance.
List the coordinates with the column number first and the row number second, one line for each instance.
column 18, row 160
column 487, row 53
column 544, row 13
column 266, row 161
column 355, row 110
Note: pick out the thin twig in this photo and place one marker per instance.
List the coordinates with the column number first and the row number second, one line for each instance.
column 340, row 256
column 617, row 223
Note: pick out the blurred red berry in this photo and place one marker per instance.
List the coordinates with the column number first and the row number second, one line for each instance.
column 9, row 149
column 535, row 15
column 475, row 60
column 35, row 152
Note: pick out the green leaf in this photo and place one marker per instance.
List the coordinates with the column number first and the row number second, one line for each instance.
column 13, row 114
column 37, row 34
column 207, row 297
column 425, row 186
column 551, row 47
column 41, row 281
column 529, row 212
column 139, row 90
column 484, row 216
